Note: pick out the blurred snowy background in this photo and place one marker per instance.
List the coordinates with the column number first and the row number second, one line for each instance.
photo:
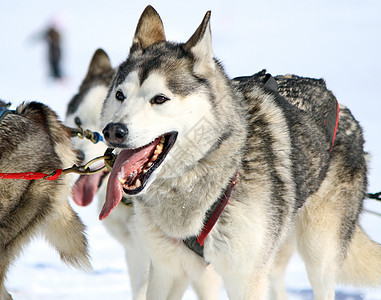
column 339, row 41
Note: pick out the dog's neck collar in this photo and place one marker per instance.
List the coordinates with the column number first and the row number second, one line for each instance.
column 196, row 243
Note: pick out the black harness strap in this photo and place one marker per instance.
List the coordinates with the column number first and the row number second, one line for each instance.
column 270, row 83
column 192, row 244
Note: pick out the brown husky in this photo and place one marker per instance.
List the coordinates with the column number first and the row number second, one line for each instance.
column 32, row 139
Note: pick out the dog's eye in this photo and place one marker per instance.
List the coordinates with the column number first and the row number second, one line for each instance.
column 159, row 99
column 120, row 96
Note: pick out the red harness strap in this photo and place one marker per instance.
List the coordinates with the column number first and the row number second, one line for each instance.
column 196, row 243
column 336, row 124
column 223, row 201
column 32, row 175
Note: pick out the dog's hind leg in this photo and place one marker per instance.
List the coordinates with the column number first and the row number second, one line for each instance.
column 278, row 270
column 318, row 246
column 326, row 224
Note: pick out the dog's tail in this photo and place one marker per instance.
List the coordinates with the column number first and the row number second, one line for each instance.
column 362, row 265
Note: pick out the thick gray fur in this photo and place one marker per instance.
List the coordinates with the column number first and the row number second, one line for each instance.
column 290, row 183
column 33, row 140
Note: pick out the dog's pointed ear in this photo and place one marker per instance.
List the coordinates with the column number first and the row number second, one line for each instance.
column 99, row 64
column 200, row 45
column 150, row 29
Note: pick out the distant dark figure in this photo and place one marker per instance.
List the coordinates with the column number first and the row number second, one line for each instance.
column 53, row 38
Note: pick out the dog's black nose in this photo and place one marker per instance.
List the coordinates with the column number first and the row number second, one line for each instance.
column 115, row 133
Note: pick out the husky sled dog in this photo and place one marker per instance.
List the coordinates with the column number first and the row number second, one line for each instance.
column 32, row 139
column 194, row 145
column 85, row 108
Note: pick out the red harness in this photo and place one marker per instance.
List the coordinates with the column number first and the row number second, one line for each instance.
column 196, row 243
column 32, row 175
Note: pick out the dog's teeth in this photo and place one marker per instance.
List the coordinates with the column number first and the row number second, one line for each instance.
column 149, row 164
column 122, row 180
column 159, row 149
column 138, row 183
column 162, row 140
column 145, row 171
column 154, row 157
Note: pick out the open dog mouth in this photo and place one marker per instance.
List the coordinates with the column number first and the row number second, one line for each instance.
column 136, row 173
column 86, row 186
column 133, row 169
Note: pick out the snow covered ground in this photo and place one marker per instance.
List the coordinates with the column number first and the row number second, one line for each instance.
column 336, row 40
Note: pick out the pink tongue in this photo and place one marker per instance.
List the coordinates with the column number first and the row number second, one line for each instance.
column 85, row 188
column 126, row 162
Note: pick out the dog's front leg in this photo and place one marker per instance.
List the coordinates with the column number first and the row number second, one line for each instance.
column 243, row 260
column 253, row 286
column 169, row 258
column 207, row 285
column 138, row 266
column 166, row 283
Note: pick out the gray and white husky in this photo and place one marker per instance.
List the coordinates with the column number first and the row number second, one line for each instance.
column 225, row 172
column 84, row 109
column 32, row 139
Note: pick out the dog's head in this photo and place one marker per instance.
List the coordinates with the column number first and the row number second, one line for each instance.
column 160, row 110
column 84, row 110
